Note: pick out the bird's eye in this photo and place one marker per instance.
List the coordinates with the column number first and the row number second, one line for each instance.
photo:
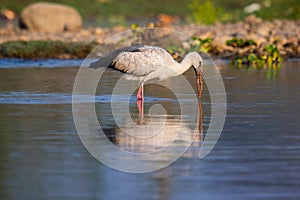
column 200, row 63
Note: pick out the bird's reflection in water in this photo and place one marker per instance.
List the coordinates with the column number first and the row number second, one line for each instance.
column 152, row 132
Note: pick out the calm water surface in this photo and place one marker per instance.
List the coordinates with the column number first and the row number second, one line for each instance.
column 42, row 157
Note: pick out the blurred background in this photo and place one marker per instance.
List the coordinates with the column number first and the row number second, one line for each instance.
column 125, row 12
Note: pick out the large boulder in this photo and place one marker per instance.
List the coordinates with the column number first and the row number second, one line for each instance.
column 50, row 17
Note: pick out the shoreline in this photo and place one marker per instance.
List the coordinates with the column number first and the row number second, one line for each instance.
column 230, row 41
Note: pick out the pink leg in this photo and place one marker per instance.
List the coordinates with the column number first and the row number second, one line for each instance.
column 140, row 101
column 140, row 92
column 143, row 92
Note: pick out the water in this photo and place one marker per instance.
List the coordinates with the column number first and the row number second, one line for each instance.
column 42, row 157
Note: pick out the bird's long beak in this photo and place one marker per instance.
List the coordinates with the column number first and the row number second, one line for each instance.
column 199, row 82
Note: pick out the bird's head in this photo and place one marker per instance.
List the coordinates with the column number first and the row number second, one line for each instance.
column 197, row 63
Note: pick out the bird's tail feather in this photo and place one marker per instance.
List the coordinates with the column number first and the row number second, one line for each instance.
column 102, row 62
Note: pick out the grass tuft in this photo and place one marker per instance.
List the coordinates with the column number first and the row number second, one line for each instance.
column 45, row 49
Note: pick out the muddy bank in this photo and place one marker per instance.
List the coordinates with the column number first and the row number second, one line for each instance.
column 251, row 36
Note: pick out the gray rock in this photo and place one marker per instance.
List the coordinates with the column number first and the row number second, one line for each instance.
column 50, row 17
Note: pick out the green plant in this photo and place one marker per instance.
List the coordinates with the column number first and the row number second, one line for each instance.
column 203, row 12
column 272, row 54
column 240, row 43
column 268, row 57
column 204, row 44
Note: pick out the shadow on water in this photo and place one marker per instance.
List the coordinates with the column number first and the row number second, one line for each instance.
column 257, row 156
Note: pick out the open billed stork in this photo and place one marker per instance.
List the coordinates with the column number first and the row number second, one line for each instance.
column 143, row 63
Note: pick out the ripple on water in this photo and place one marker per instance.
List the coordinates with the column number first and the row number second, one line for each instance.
column 65, row 98
column 41, row 63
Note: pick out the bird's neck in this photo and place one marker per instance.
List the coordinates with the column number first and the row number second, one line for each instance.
column 185, row 64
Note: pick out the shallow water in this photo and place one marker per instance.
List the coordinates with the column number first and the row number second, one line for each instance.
column 42, row 157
